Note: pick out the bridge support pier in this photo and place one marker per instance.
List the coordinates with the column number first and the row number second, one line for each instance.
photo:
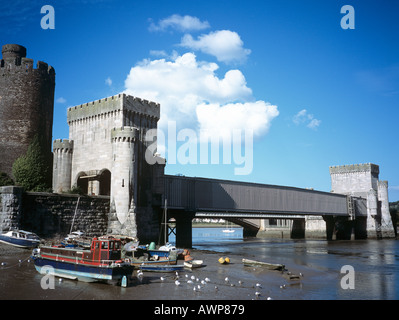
column 298, row 229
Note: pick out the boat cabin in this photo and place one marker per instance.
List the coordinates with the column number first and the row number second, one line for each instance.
column 105, row 249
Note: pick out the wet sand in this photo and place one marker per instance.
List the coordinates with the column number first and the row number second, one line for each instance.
column 20, row 280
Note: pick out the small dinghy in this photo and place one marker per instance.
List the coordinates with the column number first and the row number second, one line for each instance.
column 266, row 265
column 193, row 264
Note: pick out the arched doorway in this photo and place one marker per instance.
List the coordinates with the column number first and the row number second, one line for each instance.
column 105, row 182
column 82, row 183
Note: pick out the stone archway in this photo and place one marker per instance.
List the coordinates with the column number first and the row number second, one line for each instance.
column 105, row 182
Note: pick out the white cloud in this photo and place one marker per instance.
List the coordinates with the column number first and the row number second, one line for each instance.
column 193, row 95
column 303, row 117
column 179, row 23
column 108, row 81
column 225, row 45
column 61, row 100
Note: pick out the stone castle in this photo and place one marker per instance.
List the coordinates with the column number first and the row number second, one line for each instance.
column 105, row 155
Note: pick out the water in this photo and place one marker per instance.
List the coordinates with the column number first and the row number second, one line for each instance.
column 375, row 263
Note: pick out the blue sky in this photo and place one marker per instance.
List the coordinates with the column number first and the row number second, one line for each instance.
column 314, row 94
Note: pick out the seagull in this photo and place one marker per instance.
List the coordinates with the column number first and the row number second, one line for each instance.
column 216, row 287
column 195, row 289
column 19, row 260
column 258, row 285
column 162, row 279
column 207, row 279
column 239, row 282
column 177, row 282
column 199, row 287
column 257, row 293
column 177, row 274
column 197, row 279
column 186, row 275
column 282, row 287
column 189, row 281
column 192, row 278
column 226, row 279
column 203, row 282
column 300, row 274
column 3, row 263
column 269, row 298
column 60, row 280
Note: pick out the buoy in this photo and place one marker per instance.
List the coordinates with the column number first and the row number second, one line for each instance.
column 124, row 282
column 224, row 260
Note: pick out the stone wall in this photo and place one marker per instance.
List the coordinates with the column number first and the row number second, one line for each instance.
column 49, row 214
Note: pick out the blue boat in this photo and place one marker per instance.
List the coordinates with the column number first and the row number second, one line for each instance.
column 160, row 267
column 20, row 238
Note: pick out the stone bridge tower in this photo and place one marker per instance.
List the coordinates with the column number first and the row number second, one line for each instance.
column 26, row 105
column 361, row 183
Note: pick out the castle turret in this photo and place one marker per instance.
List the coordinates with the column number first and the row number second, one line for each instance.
column 62, row 165
column 124, row 171
column 26, row 105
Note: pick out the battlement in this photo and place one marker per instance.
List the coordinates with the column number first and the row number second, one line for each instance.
column 124, row 134
column 363, row 167
column 15, row 61
column 119, row 102
column 63, row 145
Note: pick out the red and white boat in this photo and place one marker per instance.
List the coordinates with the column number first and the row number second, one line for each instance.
column 101, row 263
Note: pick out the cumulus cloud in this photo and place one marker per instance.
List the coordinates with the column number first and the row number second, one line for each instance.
column 305, row 118
column 108, row 81
column 61, row 100
column 192, row 94
column 225, row 45
column 180, row 23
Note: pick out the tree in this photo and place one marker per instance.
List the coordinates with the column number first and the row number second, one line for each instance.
column 5, row 180
column 33, row 170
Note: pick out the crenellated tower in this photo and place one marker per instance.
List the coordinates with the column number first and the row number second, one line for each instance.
column 62, row 164
column 26, row 105
column 108, row 139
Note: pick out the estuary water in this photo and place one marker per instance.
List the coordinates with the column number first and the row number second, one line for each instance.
column 374, row 265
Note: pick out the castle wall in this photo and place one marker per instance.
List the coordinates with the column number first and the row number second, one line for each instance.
column 51, row 215
column 26, row 104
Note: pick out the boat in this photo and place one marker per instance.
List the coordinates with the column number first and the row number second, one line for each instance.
column 266, row 265
column 160, row 267
column 76, row 239
column 229, row 229
column 193, row 264
column 137, row 255
column 20, row 238
column 102, row 262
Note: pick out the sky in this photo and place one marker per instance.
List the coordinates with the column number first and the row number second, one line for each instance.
column 285, row 85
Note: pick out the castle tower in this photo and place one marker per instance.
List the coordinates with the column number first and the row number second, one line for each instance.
column 26, row 105
column 62, row 165
column 362, row 181
column 124, row 171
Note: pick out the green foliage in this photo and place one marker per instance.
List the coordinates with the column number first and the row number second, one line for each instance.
column 5, row 180
column 33, row 170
